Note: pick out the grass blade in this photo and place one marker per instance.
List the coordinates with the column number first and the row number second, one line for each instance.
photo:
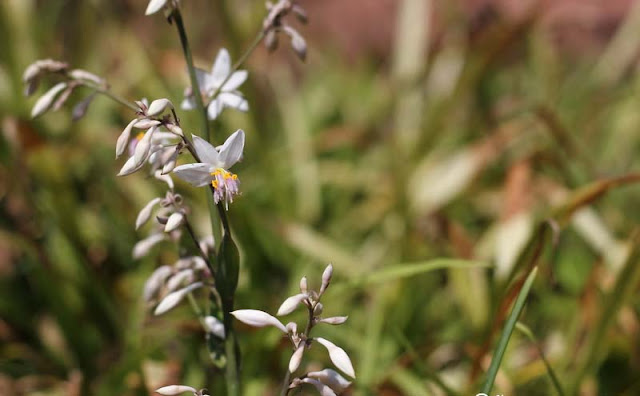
column 552, row 375
column 508, row 329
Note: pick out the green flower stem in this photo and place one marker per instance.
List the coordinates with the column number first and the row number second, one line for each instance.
column 231, row 345
column 115, row 97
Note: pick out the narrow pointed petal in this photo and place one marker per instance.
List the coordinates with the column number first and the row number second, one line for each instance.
column 173, row 390
column 207, row 153
column 231, row 150
column 145, row 213
column 173, row 299
column 198, row 174
column 143, row 247
column 338, row 356
column 45, row 101
column 141, row 152
column 326, row 278
column 221, row 66
column 155, row 6
column 179, row 279
column 214, row 326
column 214, row 109
column 331, row 378
column 256, row 318
column 188, row 103
column 158, row 106
column 175, row 220
column 123, row 139
column 296, row 358
column 290, row 304
column 235, row 81
column 234, row 101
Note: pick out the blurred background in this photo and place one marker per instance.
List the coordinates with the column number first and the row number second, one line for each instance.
column 433, row 151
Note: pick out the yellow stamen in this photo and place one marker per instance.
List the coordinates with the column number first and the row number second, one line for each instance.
column 139, row 136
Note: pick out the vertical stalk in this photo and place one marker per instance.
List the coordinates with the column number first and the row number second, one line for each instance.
column 231, row 347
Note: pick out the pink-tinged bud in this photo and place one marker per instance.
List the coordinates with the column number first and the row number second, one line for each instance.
column 45, row 101
column 172, row 390
column 296, row 358
column 123, row 139
column 83, row 75
column 158, row 106
column 303, row 285
column 338, row 356
column 143, row 247
column 214, row 326
column 180, row 278
column 326, row 278
column 256, row 318
column 145, row 213
column 173, row 299
column 175, row 220
column 334, row 320
column 290, row 304
column 330, row 378
column 155, row 282
column 322, row 388
column 176, row 130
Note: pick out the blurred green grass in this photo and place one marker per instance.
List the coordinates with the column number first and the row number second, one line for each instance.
column 459, row 142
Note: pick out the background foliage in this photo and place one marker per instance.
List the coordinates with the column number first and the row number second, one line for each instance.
column 434, row 153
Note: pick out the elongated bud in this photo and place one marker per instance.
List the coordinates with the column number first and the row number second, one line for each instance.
column 271, row 40
column 143, row 247
column 155, row 282
column 155, row 6
column 173, row 299
column 143, row 147
column 158, row 106
column 303, row 285
column 298, row 43
column 330, row 378
column 45, row 101
column 145, row 123
column 290, row 304
column 83, row 75
column 175, row 220
column 334, row 320
column 145, row 213
column 296, row 358
column 177, row 280
column 326, row 278
column 176, row 130
column 338, row 356
column 214, row 326
column 256, row 318
column 173, row 390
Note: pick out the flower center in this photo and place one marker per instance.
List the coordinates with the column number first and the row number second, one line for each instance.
column 225, row 185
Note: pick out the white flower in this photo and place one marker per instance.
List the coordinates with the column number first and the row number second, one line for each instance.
column 338, row 356
column 157, row 5
column 212, row 88
column 214, row 167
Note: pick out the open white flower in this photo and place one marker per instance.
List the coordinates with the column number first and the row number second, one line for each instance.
column 214, row 168
column 211, row 86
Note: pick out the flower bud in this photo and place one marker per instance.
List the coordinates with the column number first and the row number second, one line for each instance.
column 158, row 106
column 290, row 304
column 338, row 356
column 303, row 285
column 83, row 75
column 296, row 358
column 145, row 213
column 256, row 318
column 174, row 221
column 326, row 278
column 214, row 326
column 174, row 298
column 45, row 101
column 271, row 40
column 317, row 310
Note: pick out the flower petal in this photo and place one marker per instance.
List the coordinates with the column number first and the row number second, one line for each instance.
column 188, row 103
column 221, row 66
column 296, row 358
column 175, row 220
column 256, row 318
column 207, row 153
column 231, row 150
column 205, row 82
column 197, row 174
column 214, row 109
column 338, row 356
column 235, row 81
column 330, row 378
column 290, row 304
column 130, row 167
column 234, row 100
column 322, row 388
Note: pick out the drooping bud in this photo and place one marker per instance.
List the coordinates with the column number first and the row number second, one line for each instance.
column 145, row 213
column 175, row 220
column 271, row 40
column 83, row 75
column 155, row 6
column 158, row 106
column 330, row 378
column 256, row 318
column 298, row 42
column 155, row 282
column 143, row 247
column 338, row 356
column 296, row 358
column 291, row 303
column 174, row 298
column 214, row 326
column 173, row 390
column 334, row 320
column 45, row 101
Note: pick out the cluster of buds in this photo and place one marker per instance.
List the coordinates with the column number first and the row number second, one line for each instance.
column 157, row 147
column 57, row 95
column 274, row 23
column 219, row 88
column 328, row 382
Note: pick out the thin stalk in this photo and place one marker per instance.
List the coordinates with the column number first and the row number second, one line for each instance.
column 231, row 346
column 307, row 331
column 115, row 97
